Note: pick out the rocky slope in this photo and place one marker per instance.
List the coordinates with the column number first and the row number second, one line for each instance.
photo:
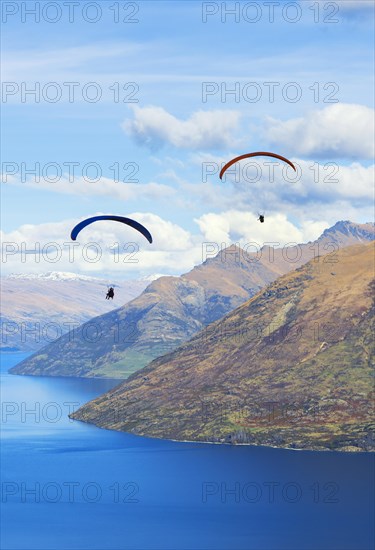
column 292, row 367
column 172, row 309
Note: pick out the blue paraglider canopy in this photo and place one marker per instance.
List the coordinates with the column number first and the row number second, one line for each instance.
column 132, row 223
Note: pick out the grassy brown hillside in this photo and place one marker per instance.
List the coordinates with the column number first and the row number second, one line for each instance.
column 292, row 367
column 173, row 309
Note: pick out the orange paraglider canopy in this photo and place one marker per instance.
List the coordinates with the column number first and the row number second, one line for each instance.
column 257, row 154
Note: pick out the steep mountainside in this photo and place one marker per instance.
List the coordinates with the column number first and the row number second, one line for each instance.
column 292, row 367
column 172, row 309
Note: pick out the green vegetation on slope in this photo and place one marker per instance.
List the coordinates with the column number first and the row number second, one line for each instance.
column 292, row 367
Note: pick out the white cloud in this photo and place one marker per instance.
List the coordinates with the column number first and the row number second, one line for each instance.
column 42, row 62
column 338, row 131
column 112, row 249
column 167, row 235
column 154, row 126
column 39, row 248
column 261, row 184
column 84, row 186
column 243, row 227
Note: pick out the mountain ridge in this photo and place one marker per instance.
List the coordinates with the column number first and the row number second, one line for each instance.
column 172, row 309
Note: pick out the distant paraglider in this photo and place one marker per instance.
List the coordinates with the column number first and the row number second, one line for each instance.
column 257, row 154
column 132, row 223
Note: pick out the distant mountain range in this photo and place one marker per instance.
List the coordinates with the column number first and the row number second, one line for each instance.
column 173, row 309
column 53, row 276
column 292, row 367
column 38, row 308
column 67, row 276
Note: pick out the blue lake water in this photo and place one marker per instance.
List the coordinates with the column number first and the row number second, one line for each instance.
column 68, row 485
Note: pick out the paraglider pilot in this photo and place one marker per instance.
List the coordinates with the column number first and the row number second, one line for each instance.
column 261, row 218
column 110, row 293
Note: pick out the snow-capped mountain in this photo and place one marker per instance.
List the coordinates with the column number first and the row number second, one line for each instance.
column 153, row 277
column 52, row 276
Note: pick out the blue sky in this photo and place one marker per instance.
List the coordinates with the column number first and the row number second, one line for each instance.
column 166, row 132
